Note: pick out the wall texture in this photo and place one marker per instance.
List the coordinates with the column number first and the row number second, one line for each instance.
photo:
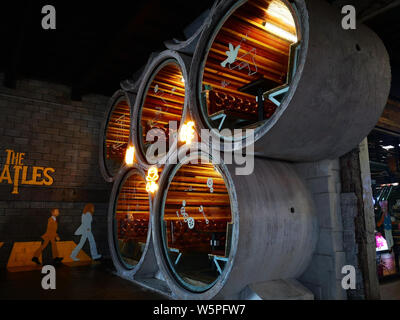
column 40, row 120
column 323, row 276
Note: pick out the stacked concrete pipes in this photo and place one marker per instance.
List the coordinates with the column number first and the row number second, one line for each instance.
column 334, row 98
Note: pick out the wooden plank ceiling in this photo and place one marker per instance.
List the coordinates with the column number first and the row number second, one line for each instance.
column 390, row 119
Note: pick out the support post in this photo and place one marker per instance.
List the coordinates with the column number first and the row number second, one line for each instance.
column 356, row 178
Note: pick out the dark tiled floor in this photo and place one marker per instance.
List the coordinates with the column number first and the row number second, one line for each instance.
column 390, row 290
column 82, row 283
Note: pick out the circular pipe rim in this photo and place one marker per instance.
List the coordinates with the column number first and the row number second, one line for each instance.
column 151, row 71
column 217, row 19
column 166, row 177
column 112, row 103
column 121, row 266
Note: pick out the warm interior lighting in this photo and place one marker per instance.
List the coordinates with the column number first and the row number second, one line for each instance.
column 117, row 136
column 256, row 49
column 387, row 148
column 280, row 32
column 187, row 132
column 151, row 187
column 151, row 178
column 163, row 104
column 130, row 155
column 280, row 11
column 197, row 224
column 131, row 218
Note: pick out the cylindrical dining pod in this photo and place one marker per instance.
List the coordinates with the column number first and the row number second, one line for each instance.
column 161, row 107
column 216, row 232
column 129, row 227
column 115, row 134
column 289, row 70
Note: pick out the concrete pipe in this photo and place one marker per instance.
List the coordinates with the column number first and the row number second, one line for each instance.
column 115, row 134
column 129, row 228
column 162, row 98
column 287, row 69
column 215, row 232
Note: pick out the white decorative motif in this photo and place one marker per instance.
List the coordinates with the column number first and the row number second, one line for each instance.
column 177, row 214
column 201, row 209
column 232, row 57
column 120, row 123
column 225, row 84
column 159, row 93
column 210, row 184
column 189, row 189
column 189, row 220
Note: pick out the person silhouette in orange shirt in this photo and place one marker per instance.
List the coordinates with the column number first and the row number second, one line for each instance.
column 50, row 236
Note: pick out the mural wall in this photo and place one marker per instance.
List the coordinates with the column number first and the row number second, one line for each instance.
column 49, row 159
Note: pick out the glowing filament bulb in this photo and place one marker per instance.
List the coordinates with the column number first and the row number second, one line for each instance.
column 187, row 132
column 151, row 187
column 151, row 178
column 130, row 155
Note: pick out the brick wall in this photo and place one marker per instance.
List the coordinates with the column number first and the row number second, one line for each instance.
column 323, row 276
column 40, row 120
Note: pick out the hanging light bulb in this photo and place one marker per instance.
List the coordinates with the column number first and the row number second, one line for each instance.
column 187, row 132
column 130, row 155
column 151, row 187
column 151, row 178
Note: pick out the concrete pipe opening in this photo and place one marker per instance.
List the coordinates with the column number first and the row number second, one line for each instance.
column 267, row 65
column 115, row 135
column 262, row 40
column 129, row 226
column 196, row 225
column 262, row 226
column 162, row 106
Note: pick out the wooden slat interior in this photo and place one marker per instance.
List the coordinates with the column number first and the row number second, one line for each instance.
column 262, row 54
column 117, row 135
column 164, row 101
column 190, row 185
column 390, row 118
column 132, row 210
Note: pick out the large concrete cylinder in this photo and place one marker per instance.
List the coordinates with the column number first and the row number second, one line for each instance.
column 129, row 227
column 162, row 97
column 309, row 88
column 115, row 134
column 214, row 237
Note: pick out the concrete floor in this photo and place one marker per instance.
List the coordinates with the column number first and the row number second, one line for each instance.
column 79, row 283
column 96, row 282
column 390, row 290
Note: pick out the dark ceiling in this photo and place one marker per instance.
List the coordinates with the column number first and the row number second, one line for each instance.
column 98, row 44
column 95, row 44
